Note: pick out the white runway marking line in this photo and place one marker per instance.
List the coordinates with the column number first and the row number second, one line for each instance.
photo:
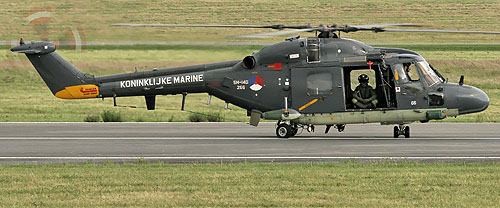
column 242, row 158
column 245, row 138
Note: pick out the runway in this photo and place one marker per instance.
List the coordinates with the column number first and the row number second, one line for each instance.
column 237, row 142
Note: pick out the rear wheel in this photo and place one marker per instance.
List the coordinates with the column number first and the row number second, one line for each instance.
column 284, row 130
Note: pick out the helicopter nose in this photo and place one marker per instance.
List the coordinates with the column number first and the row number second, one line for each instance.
column 472, row 100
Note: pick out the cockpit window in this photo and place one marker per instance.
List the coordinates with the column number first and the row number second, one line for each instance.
column 406, row 72
column 430, row 77
column 411, row 72
column 400, row 74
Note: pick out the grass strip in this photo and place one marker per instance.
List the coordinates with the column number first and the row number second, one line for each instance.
column 350, row 183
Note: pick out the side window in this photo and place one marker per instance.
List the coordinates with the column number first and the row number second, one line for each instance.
column 319, row 83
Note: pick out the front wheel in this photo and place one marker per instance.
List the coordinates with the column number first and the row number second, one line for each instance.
column 284, row 131
column 407, row 132
column 396, row 132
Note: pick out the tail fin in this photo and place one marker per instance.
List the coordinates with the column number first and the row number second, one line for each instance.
column 62, row 78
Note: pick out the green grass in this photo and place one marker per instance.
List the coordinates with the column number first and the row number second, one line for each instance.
column 93, row 19
column 348, row 184
column 111, row 116
column 92, row 118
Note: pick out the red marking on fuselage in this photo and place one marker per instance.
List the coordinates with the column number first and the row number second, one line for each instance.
column 88, row 91
column 214, row 84
column 276, row 66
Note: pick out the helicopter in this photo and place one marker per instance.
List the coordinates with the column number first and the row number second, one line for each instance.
column 299, row 82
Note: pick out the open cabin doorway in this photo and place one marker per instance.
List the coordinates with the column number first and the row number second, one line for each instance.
column 380, row 79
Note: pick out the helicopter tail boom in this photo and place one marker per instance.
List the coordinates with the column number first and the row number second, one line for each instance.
column 67, row 82
column 63, row 79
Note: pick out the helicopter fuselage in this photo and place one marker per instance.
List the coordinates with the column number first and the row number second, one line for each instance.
column 306, row 81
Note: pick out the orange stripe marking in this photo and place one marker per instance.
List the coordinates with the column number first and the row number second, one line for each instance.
column 308, row 104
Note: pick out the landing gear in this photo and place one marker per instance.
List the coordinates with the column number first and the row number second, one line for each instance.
column 294, row 130
column 401, row 130
column 310, row 128
column 284, row 130
column 396, row 132
column 340, row 127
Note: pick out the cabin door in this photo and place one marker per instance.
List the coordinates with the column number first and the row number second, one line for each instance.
column 317, row 90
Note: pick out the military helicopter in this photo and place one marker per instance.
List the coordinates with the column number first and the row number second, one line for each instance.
column 300, row 82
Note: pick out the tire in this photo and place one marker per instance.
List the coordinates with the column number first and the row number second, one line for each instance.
column 284, row 131
column 407, row 132
column 396, row 132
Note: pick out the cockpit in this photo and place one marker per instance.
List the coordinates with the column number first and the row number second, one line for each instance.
column 417, row 70
column 403, row 81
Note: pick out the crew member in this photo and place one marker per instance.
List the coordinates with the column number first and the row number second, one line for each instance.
column 409, row 73
column 364, row 95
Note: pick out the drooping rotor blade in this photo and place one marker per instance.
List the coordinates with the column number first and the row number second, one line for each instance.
column 187, row 25
column 344, row 28
column 431, row 31
column 309, row 28
column 272, row 34
column 387, row 25
column 278, row 27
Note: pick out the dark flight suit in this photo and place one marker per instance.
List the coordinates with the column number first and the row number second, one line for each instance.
column 365, row 97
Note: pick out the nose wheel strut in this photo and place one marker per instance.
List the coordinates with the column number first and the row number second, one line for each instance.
column 402, row 130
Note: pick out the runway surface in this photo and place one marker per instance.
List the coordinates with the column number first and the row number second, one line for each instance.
column 236, row 142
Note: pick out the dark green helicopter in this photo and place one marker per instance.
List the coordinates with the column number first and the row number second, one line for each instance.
column 300, row 82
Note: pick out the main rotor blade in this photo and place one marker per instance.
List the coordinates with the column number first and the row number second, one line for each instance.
column 309, row 28
column 273, row 34
column 432, row 31
column 387, row 25
column 278, row 27
column 184, row 25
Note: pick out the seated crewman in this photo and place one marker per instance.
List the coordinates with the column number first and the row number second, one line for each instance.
column 364, row 95
column 408, row 71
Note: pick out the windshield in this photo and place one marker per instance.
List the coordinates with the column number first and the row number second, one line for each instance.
column 429, row 76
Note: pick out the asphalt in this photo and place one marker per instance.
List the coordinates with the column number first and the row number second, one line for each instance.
column 237, row 142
